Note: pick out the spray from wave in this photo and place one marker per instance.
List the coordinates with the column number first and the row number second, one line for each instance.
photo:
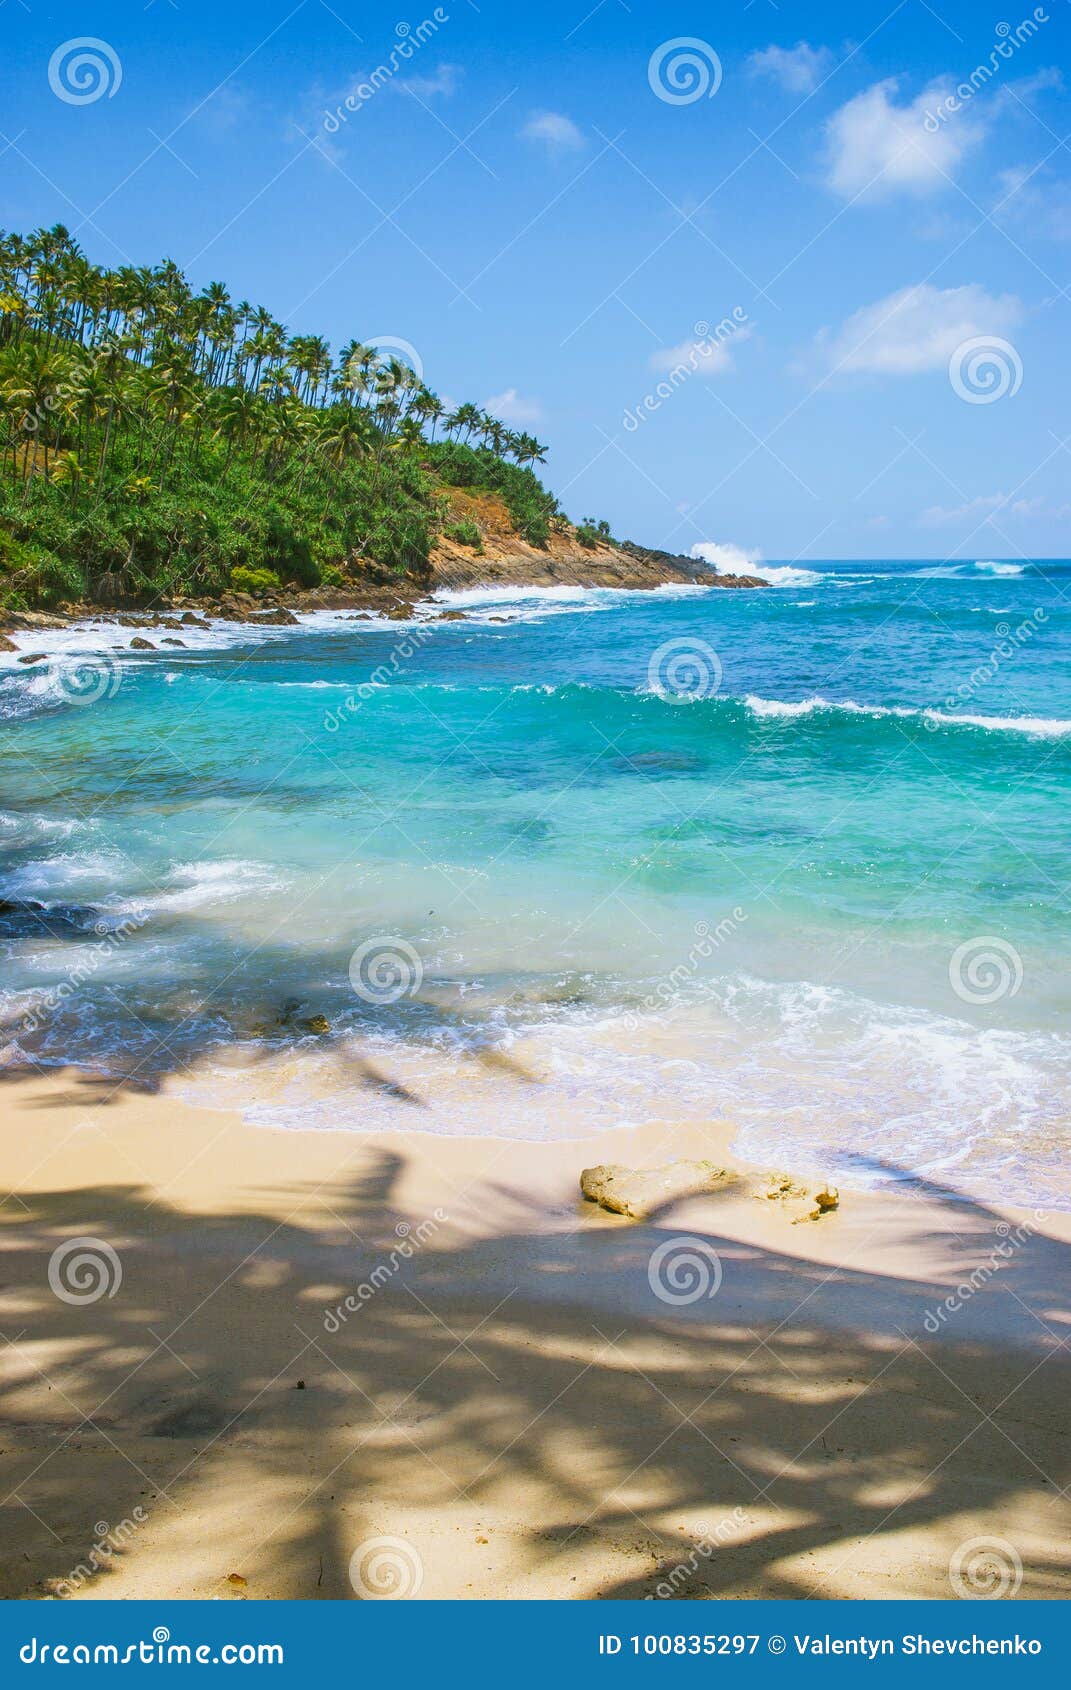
column 729, row 559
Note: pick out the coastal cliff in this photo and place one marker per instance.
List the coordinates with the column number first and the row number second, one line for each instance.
column 505, row 558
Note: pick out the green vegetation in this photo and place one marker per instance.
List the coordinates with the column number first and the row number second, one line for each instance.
column 592, row 533
column 466, row 534
column 531, row 508
column 255, row 580
column 157, row 441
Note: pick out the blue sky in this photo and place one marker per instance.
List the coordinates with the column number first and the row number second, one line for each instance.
column 521, row 203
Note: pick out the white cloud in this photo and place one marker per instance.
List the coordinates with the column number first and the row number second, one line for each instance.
column 697, row 357
column 1038, row 199
column 876, row 146
column 982, row 509
column 511, row 407
column 798, row 69
column 918, row 328
column 555, row 130
column 444, row 81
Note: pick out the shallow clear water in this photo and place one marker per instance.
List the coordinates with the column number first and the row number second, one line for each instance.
column 826, row 898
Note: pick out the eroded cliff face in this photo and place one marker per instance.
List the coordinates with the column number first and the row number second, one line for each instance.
column 507, row 559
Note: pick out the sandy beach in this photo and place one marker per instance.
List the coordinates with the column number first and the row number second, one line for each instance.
column 870, row 1404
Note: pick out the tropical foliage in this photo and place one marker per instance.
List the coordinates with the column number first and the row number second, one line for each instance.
column 158, row 440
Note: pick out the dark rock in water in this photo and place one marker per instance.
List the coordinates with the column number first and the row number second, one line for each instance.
column 6, row 644
column 142, row 645
column 28, row 917
column 172, row 641
column 451, row 616
column 34, row 657
column 317, row 1024
column 189, row 620
column 278, row 618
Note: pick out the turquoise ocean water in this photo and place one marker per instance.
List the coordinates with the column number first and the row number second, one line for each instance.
column 796, row 858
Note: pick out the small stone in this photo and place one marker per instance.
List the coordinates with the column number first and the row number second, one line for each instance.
column 33, row 657
column 138, row 644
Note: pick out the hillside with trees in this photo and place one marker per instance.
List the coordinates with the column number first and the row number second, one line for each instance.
column 161, row 442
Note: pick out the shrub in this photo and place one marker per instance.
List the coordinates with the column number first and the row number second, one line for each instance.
column 254, row 580
column 466, row 534
column 592, row 533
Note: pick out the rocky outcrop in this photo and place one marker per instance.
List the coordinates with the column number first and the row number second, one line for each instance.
column 29, row 619
column 276, row 617
column 507, row 559
column 639, row 1192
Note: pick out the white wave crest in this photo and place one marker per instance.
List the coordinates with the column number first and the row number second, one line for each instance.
column 1042, row 727
column 729, row 559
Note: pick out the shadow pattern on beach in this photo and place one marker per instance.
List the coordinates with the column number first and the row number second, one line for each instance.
column 517, row 1410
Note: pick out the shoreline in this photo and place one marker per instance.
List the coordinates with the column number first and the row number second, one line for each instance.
column 512, row 1401
column 624, row 568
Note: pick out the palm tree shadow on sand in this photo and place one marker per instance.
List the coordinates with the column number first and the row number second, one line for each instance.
column 520, row 1409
